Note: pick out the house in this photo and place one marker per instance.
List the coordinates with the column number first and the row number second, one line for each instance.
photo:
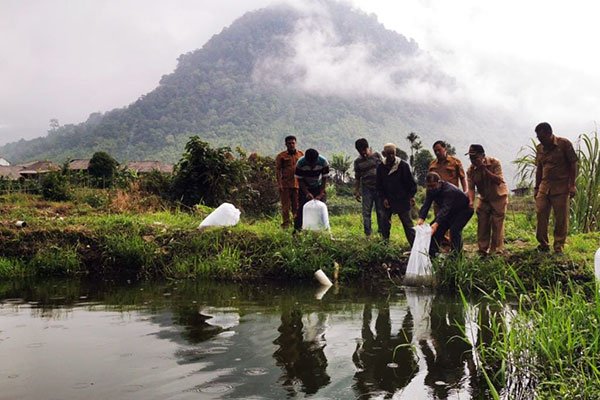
column 10, row 172
column 79, row 165
column 145, row 167
column 37, row 168
column 521, row 192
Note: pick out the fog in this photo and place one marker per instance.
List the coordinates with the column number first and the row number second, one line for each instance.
column 66, row 59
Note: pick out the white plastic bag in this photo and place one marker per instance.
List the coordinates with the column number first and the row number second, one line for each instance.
column 315, row 216
column 418, row 270
column 224, row 215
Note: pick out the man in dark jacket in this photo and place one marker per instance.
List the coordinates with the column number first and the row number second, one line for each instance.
column 454, row 212
column 397, row 187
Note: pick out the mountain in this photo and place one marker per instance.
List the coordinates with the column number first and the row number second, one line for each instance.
column 328, row 74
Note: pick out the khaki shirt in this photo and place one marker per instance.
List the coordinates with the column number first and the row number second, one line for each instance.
column 555, row 162
column 285, row 168
column 450, row 170
column 486, row 188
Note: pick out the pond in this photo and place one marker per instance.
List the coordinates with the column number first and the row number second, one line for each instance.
column 207, row 340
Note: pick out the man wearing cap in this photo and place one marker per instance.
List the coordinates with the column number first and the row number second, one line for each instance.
column 397, row 187
column 556, row 169
column 365, row 189
column 485, row 176
column 454, row 212
column 312, row 172
column 285, row 168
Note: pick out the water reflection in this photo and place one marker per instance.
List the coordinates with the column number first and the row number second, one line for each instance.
column 300, row 352
column 264, row 341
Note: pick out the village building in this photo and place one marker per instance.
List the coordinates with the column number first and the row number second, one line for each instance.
column 145, row 167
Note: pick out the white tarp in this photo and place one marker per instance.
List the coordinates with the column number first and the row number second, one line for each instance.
column 224, row 215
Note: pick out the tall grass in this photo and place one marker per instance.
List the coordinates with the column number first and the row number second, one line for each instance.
column 585, row 209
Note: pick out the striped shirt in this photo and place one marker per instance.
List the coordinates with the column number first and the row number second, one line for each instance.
column 312, row 176
column 365, row 170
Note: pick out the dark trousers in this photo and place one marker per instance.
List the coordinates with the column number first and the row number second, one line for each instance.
column 407, row 224
column 370, row 199
column 455, row 224
column 302, row 200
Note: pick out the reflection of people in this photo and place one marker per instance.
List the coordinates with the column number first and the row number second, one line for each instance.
column 556, row 168
column 285, row 168
column 454, row 212
column 312, row 172
column 450, row 354
column 365, row 190
column 378, row 349
column 397, row 187
column 485, row 175
column 301, row 359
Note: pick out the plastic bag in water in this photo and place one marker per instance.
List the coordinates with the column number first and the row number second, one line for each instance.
column 315, row 216
column 224, row 215
column 418, row 270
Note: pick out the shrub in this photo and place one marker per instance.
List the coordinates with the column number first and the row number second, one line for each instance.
column 102, row 168
column 55, row 187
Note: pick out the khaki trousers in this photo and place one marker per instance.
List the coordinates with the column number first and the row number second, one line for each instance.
column 490, row 224
column 289, row 204
column 559, row 204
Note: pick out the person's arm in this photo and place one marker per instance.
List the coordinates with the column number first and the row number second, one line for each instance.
column 409, row 180
column 323, row 186
column 425, row 209
column 471, row 188
column 494, row 172
column 573, row 160
column 278, row 172
column 538, row 174
column 461, row 174
column 380, row 188
column 356, row 182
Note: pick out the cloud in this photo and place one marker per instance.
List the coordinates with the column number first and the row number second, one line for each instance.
column 319, row 62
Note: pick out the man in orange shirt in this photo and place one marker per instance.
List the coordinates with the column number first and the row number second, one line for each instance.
column 285, row 167
column 449, row 168
column 556, row 169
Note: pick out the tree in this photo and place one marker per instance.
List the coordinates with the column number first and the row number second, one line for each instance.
column 451, row 150
column 340, row 163
column 422, row 160
column 103, row 168
column 206, row 175
column 415, row 146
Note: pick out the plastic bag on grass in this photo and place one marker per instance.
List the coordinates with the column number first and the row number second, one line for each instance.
column 224, row 215
column 418, row 270
column 315, row 216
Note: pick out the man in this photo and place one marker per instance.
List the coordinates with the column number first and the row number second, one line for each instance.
column 312, row 172
column 485, row 175
column 454, row 212
column 449, row 168
column 285, row 168
column 397, row 187
column 556, row 169
column 365, row 189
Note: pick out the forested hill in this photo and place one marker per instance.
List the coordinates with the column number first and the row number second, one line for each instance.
column 328, row 75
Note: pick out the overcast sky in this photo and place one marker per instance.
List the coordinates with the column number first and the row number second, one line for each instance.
column 65, row 59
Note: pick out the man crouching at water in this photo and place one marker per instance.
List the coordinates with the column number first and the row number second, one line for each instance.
column 454, row 212
column 312, row 172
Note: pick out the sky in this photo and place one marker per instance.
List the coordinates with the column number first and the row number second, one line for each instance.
column 66, row 59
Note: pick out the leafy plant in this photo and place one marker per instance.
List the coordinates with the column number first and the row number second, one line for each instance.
column 585, row 208
column 55, row 187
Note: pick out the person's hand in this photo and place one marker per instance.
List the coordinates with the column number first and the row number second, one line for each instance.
column 471, row 205
column 420, row 221
column 319, row 196
column 386, row 203
column 434, row 228
column 357, row 196
column 412, row 202
column 309, row 196
column 535, row 192
column 572, row 191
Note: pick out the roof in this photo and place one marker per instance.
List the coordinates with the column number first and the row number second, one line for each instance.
column 149, row 166
column 4, row 162
column 40, row 166
column 10, row 172
column 79, row 164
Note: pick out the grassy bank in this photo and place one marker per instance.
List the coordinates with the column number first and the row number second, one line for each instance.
column 109, row 234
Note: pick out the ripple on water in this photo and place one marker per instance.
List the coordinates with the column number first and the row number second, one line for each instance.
column 82, row 385
column 212, row 388
column 255, row 371
column 132, row 388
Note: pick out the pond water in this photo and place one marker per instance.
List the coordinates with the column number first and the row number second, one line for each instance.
column 207, row 340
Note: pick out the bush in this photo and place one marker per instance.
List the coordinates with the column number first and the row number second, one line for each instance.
column 259, row 194
column 55, row 187
column 157, row 183
column 103, row 169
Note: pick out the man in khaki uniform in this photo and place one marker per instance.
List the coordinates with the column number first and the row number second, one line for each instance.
column 556, row 169
column 449, row 168
column 285, row 167
column 485, row 175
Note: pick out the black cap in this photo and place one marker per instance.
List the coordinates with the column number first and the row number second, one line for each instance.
column 475, row 149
